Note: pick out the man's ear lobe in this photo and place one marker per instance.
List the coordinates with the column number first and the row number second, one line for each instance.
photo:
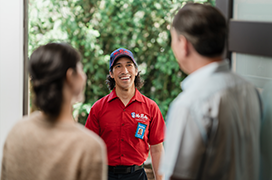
column 184, row 44
column 111, row 75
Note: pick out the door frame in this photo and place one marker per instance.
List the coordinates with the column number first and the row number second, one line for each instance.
column 25, row 64
column 247, row 37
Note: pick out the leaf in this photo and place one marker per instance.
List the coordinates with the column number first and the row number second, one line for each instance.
column 97, row 27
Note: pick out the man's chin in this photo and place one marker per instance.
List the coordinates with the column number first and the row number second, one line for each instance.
column 125, row 88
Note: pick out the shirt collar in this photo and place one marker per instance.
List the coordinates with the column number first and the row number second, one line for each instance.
column 203, row 73
column 137, row 96
column 112, row 95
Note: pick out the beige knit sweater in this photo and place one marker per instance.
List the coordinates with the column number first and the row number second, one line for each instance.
column 36, row 149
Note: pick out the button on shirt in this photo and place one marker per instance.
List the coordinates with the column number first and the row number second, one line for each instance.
column 213, row 127
column 117, row 125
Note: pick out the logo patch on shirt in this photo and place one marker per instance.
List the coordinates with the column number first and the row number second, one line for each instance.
column 142, row 117
column 133, row 114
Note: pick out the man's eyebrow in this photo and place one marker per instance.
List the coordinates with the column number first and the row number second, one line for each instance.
column 128, row 62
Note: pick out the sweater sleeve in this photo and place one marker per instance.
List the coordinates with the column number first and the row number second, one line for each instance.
column 94, row 163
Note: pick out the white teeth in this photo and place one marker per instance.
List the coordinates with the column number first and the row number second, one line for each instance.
column 125, row 78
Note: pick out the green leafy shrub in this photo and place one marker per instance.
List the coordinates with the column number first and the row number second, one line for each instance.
column 97, row 27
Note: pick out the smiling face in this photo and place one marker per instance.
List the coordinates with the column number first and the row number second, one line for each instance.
column 124, row 72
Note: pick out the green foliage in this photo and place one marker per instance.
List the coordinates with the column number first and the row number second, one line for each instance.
column 97, row 27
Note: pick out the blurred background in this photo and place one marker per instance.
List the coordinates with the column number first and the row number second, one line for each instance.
column 98, row 27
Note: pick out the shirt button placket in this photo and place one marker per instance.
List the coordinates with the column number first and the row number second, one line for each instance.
column 121, row 134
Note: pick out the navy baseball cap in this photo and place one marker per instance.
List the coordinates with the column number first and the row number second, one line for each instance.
column 121, row 52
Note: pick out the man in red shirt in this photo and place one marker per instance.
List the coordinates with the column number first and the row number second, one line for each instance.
column 127, row 121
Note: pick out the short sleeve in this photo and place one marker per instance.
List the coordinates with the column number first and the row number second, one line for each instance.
column 157, row 126
column 184, row 146
column 92, row 122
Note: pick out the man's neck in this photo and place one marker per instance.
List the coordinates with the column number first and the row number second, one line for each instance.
column 125, row 95
column 200, row 61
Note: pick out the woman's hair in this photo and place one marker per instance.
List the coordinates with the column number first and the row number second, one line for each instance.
column 139, row 82
column 47, row 69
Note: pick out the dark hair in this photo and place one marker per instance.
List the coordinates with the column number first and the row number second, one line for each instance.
column 204, row 27
column 47, row 69
column 139, row 82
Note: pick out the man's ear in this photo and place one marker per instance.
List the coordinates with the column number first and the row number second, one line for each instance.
column 184, row 44
column 111, row 75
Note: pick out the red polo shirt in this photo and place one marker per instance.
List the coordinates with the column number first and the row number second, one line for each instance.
column 116, row 124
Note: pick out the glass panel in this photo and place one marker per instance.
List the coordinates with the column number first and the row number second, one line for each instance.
column 252, row 10
column 256, row 69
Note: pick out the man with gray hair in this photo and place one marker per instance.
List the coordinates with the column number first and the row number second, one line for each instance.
column 214, row 124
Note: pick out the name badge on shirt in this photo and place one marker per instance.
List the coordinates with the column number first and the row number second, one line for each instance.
column 140, row 130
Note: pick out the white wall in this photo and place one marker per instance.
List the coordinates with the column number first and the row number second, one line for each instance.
column 11, row 66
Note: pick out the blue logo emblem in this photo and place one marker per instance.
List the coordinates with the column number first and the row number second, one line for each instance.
column 133, row 114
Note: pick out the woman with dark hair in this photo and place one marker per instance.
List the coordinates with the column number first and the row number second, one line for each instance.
column 48, row 144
